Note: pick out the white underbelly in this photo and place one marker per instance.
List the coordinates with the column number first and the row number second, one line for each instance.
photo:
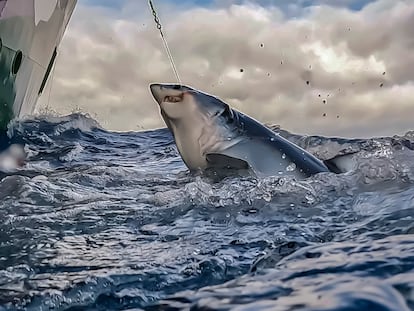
column 189, row 149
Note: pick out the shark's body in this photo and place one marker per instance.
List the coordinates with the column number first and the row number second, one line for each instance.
column 210, row 134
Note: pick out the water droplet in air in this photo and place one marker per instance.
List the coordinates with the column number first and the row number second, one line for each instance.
column 283, row 156
column 291, row 167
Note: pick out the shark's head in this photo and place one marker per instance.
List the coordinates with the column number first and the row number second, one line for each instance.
column 199, row 122
column 183, row 103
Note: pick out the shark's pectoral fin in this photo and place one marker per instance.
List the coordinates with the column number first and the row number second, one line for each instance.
column 332, row 166
column 342, row 163
column 217, row 160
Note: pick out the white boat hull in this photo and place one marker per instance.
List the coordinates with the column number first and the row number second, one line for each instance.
column 30, row 32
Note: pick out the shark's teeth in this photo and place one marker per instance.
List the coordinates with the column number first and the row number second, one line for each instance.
column 172, row 99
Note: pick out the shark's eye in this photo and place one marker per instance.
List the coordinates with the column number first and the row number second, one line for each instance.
column 172, row 99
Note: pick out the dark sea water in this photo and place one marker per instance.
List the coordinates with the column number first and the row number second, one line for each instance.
column 113, row 221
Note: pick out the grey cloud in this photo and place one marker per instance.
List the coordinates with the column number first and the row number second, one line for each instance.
column 290, row 66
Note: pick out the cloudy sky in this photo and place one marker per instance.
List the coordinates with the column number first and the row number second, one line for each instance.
column 328, row 67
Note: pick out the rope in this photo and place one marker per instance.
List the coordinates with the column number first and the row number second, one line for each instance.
column 167, row 49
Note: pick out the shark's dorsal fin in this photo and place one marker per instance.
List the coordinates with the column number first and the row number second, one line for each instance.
column 217, row 160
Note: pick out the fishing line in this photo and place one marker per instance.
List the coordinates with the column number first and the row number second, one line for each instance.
column 167, row 49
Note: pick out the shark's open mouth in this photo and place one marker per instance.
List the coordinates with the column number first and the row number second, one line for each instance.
column 173, row 99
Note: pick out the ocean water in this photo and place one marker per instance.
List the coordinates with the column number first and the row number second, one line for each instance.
column 98, row 220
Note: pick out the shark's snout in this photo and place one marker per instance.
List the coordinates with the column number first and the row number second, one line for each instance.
column 156, row 91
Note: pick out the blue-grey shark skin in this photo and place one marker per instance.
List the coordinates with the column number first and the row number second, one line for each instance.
column 210, row 134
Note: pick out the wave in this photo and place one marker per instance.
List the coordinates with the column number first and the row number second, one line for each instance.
column 99, row 219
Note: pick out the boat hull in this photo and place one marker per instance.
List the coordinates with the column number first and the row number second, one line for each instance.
column 30, row 32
